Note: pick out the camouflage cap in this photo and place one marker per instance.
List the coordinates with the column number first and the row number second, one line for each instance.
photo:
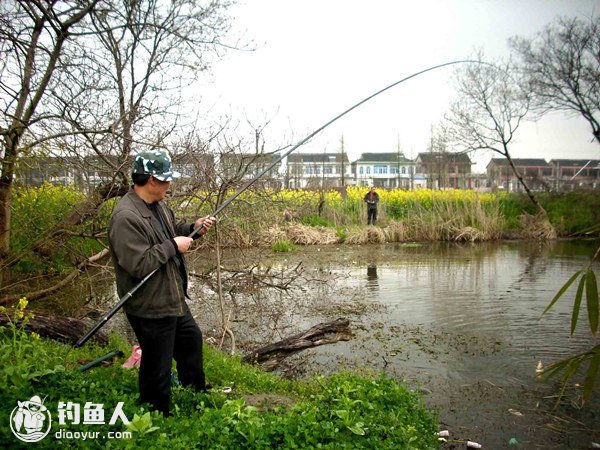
column 156, row 163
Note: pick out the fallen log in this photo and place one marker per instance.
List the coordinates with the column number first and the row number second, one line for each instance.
column 64, row 329
column 320, row 334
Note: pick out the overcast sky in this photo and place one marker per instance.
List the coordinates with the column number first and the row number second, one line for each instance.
column 315, row 58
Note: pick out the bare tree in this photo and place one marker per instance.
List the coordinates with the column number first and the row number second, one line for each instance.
column 33, row 38
column 489, row 111
column 562, row 68
column 438, row 158
column 116, row 89
column 141, row 59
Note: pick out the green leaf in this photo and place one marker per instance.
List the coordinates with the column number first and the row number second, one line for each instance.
column 592, row 374
column 591, row 294
column 554, row 369
column 572, row 369
column 141, row 424
column 357, row 428
column 342, row 414
column 577, row 304
column 562, row 291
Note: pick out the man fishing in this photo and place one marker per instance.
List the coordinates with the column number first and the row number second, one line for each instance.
column 144, row 236
column 372, row 198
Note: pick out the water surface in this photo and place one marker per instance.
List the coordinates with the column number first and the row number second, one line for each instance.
column 461, row 323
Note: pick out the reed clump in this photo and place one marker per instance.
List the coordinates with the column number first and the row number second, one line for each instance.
column 368, row 235
column 536, row 227
column 307, row 235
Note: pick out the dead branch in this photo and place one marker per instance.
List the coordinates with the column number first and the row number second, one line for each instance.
column 35, row 295
column 320, row 334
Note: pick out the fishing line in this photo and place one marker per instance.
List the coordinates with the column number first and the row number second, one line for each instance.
column 223, row 205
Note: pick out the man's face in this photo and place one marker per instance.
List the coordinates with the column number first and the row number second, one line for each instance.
column 159, row 188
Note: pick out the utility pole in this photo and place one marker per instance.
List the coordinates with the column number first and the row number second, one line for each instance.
column 412, row 168
column 398, row 163
column 343, row 166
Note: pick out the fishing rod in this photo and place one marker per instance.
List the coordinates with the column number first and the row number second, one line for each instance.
column 249, row 184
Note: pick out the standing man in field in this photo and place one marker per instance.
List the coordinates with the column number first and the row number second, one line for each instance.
column 372, row 198
column 144, row 235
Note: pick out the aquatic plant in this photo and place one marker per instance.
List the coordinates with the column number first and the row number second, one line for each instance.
column 588, row 285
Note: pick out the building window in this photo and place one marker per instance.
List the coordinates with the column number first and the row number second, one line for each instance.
column 361, row 170
column 380, row 169
column 403, row 170
column 368, row 170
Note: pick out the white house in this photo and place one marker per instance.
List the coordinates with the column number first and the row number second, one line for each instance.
column 389, row 170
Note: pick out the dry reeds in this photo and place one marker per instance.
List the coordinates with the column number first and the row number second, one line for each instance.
column 536, row 227
column 272, row 235
column 467, row 234
column 368, row 235
column 235, row 237
column 305, row 235
column 455, row 221
column 396, row 232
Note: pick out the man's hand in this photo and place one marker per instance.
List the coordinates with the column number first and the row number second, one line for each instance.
column 183, row 243
column 203, row 224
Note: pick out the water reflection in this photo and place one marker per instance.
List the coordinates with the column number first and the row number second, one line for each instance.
column 372, row 277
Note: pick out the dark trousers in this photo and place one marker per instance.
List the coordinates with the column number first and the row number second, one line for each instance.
column 371, row 215
column 163, row 340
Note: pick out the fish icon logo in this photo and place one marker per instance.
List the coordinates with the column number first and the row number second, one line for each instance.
column 30, row 421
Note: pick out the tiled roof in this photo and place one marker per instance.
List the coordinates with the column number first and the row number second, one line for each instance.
column 519, row 162
column 428, row 157
column 576, row 162
column 317, row 158
column 382, row 157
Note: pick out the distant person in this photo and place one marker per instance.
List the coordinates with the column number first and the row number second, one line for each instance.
column 372, row 198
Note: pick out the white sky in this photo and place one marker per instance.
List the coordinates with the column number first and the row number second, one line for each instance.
column 315, row 58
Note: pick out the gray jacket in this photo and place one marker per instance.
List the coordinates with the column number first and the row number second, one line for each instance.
column 137, row 247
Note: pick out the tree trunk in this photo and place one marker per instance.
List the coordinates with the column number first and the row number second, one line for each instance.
column 5, row 196
column 89, row 207
column 47, row 246
column 540, row 209
column 321, row 334
column 6, row 183
column 64, row 329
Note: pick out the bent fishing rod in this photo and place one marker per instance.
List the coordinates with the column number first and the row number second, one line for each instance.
column 249, row 184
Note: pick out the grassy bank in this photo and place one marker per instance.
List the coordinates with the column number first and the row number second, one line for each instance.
column 288, row 217
column 262, row 410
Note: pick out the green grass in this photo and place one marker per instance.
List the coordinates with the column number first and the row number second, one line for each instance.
column 283, row 247
column 316, row 221
column 346, row 410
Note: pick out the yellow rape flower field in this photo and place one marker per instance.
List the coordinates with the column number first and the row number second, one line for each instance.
column 307, row 217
